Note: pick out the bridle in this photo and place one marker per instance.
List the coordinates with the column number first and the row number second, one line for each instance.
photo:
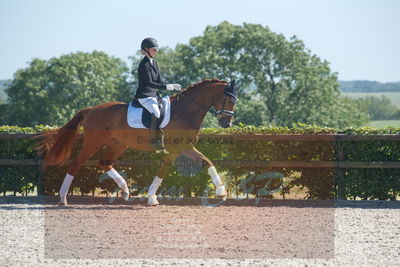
column 223, row 111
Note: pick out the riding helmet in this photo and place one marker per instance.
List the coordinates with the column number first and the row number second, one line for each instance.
column 149, row 43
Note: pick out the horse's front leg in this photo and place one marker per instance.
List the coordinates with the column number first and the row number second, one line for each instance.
column 196, row 155
column 161, row 173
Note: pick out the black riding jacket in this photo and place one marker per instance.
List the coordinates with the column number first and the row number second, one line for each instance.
column 149, row 79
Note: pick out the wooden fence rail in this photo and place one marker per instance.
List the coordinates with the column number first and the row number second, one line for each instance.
column 339, row 165
column 265, row 137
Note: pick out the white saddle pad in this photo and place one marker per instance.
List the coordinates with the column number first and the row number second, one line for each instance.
column 134, row 115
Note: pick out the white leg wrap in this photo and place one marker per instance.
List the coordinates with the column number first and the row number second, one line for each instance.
column 65, row 187
column 215, row 177
column 154, row 186
column 118, row 179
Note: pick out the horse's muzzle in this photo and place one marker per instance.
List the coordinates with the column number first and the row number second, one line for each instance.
column 225, row 122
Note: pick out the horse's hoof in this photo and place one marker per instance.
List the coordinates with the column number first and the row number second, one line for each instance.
column 152, row 201
column 62, row 204
column 162, row 151
column 221, row 191
column 125, row 196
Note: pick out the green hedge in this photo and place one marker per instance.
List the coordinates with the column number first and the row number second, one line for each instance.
column 240, row 178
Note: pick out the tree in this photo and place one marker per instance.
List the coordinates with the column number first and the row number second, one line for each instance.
column 50, row 92
column 291, row 84
column 369, row 86
column 3, row 95
column 379, row 108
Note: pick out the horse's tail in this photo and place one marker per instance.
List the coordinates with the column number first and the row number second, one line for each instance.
column 56, row 145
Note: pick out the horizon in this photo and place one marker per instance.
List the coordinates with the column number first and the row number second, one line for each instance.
column 359, row 38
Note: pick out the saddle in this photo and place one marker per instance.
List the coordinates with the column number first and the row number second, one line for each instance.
column 146, row 115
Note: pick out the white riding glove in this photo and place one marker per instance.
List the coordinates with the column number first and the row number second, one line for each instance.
column 174, row 86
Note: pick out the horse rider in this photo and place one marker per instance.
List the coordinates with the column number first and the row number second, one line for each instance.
column 147, row 93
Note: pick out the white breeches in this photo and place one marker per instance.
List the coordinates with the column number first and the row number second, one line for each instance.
column 150, row 103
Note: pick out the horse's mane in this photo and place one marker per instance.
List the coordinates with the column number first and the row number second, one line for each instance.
column 187, row 90
column 204, row 82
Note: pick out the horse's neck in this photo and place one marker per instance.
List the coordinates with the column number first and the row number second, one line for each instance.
column 195, row 106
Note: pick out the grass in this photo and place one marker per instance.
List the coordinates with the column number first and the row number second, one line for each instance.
column 383, row 124
column 393, row 96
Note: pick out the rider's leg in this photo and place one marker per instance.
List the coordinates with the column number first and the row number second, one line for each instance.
column 157, row 137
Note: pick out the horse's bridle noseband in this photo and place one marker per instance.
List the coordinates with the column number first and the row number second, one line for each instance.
column 223, row 111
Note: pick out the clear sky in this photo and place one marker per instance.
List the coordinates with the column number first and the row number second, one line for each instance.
column 360, row 38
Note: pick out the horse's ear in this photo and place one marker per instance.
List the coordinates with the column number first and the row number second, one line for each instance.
column 231, row 86
column 234, row 86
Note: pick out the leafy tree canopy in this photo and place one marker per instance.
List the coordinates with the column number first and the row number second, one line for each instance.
column 50, row 92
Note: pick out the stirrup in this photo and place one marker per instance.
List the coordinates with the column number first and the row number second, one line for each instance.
column 156, row 136
column 159, row 142
column 158, row 146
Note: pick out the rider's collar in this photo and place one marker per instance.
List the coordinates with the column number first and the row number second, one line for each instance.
column 151, row 59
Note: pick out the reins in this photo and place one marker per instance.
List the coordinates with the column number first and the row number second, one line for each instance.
column 218, row 113
column 178, row 98
column 179, row 94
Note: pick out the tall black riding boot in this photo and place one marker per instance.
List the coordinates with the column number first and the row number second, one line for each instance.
column 157, row 136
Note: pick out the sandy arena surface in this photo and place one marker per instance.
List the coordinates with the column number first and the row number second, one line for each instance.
column 198, row 232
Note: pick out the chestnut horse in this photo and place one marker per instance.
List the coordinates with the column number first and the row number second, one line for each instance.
column 106, row 124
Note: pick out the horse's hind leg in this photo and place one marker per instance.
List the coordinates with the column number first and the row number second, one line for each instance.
column 106, row 163
column 89, row 147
